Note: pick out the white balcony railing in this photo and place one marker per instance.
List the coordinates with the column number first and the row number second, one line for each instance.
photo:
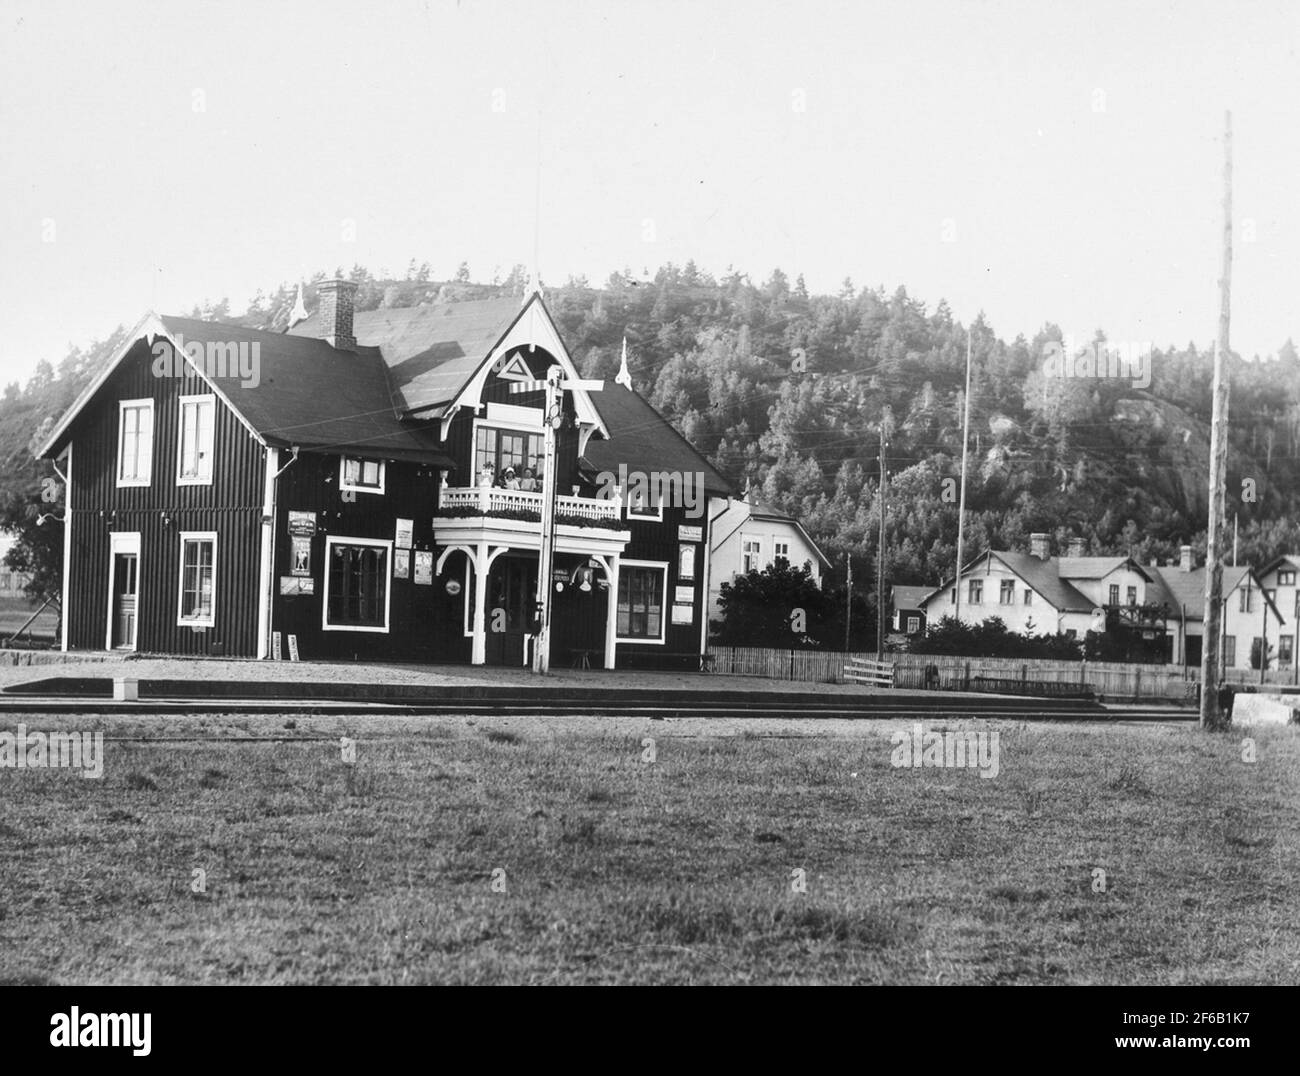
column 494, row 500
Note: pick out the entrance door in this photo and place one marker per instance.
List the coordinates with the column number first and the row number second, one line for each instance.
column 126, row 578
column 122, row 631
column 512, row 594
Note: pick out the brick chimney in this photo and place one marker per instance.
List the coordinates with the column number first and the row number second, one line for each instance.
column 1185, row 562
column 335, row 311
column 1076, row 548
column 1039, row 546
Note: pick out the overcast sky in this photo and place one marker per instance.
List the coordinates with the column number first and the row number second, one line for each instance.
column 1039, row 161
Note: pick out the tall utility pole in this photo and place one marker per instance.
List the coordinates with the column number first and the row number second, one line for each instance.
column 552, row 419
column 1212, row 716
column 886, row 428
column 848, row 601
column 961, row 508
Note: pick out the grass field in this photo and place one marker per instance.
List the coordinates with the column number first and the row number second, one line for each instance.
column 619, row 870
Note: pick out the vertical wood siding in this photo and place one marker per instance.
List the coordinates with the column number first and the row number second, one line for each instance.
column 230, row 506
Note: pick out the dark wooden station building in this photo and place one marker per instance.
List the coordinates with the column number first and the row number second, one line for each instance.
column 368, row 487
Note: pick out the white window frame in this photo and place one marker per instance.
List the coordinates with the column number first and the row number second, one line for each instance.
column 331, row 540
column 511, row 419
column 1007, row 592
column 1285, row 577
column 778, row 548
column 124, row 542
column 135, row 483
column 347, row 487
column 665, row 607
column 210, row 400
column 913, row 625
column 757, row 553
column 198, row 621
column 655, row 514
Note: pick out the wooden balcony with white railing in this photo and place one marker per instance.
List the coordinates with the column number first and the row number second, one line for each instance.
column 508, row 503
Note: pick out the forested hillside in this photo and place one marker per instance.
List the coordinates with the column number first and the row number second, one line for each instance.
column 789, row 390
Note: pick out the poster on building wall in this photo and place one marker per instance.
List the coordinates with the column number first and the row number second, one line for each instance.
column 690, row 534
column 685, row 561
column 302, row 524
column 405, row 530
column 293, row 648
column 684, row 595
column 683, row 614
column 275, row 645
column 401, row 564
column 424, row 567
column 291, row 586
column 300, row 563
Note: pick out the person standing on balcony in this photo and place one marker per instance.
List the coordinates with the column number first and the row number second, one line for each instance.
column 487, row 476
column 512, row 481
column 528, row 483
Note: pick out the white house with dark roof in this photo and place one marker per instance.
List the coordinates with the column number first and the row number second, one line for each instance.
column 1280, row 579
column 749, row 534
column 1038, row 594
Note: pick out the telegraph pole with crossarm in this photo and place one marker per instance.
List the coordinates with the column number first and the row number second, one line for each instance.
column 554, row 385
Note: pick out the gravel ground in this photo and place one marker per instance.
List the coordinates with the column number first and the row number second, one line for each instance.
column 351, row 672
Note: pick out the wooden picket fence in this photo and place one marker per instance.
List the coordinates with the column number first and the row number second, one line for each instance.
column 1109, row 680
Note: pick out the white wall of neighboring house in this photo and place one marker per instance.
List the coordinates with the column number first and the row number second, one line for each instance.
column 1114, row 588
column 1283, row 581
column 1035, row 617
column 746, row 540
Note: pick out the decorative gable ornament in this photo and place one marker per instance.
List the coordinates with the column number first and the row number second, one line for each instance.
column 513, row 369
column 624, row 375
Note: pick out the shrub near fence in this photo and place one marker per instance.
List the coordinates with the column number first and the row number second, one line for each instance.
column 1112, row 680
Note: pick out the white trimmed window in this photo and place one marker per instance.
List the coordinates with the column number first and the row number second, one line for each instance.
column 197, row 421
column 198, row 582
column 751, row 555
column 361, row 476
column 641, row 588
column 975, row 592
column 642, row 503
column 1007, row 592
column 1286, row 578
column 781, row 551
column 357, row 587
column 913, row 625
column 134, row 442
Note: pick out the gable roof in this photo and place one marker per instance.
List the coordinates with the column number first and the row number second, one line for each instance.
column 1286, row 559
column 644, row 441
column 905, row 597
column 1042, row 576
column 429, row 351
column 1186, row 590
column 304, row 392
column 1096, row 567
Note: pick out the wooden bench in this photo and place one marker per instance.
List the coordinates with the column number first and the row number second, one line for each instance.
column 865, row 671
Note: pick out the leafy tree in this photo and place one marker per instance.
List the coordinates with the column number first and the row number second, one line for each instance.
column 781, row 607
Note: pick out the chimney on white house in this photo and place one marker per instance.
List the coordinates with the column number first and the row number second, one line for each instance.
column 1185, row 558
column 1038, row 546
column 336, row 298
column 1076, row 548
